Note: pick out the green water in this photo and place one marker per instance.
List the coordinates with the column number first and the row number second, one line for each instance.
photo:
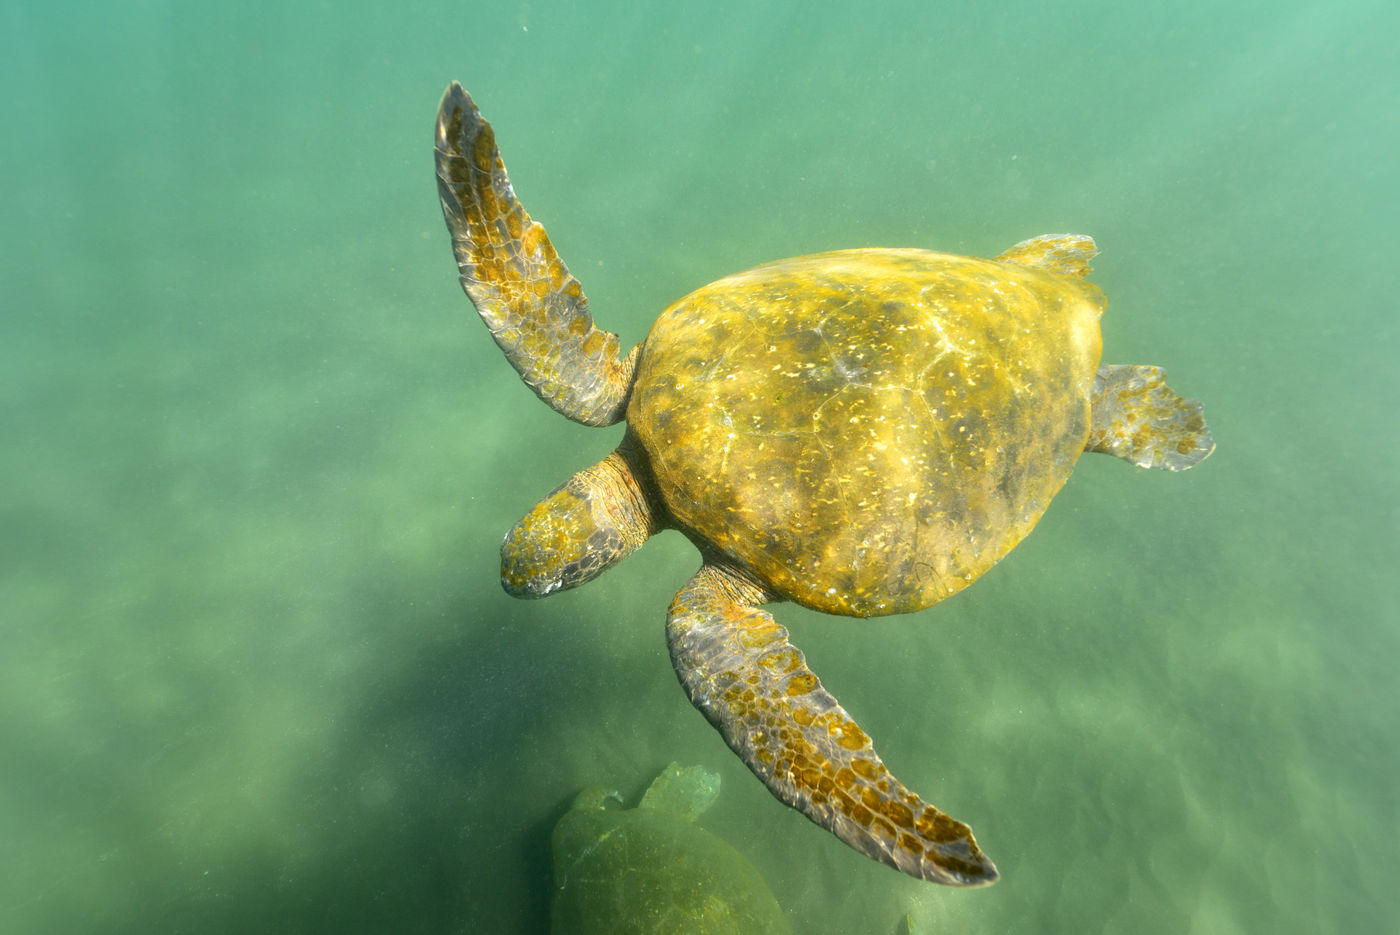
column 256, row 673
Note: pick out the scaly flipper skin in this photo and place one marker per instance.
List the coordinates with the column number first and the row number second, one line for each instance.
column 1138, row 418
column 587, row 525
column 753, row 685
column 1060, row 253
column 536, row 311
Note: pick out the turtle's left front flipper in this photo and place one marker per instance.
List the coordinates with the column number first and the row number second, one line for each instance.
column 521, row 288
column 740, row 670
column 1140, row 419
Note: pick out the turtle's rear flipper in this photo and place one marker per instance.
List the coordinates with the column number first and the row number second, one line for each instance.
column 1138, row 418
column 740, row 670
column 523, row 291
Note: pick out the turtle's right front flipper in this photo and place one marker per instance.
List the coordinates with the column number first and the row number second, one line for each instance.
column 523, row 291
column 740, row 670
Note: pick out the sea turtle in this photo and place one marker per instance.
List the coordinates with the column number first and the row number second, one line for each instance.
column 652, row 870
column 862, row 432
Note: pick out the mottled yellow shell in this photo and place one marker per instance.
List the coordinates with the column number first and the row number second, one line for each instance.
column 869, row 430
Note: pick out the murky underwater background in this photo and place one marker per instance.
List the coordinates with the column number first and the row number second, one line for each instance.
column 256, row 672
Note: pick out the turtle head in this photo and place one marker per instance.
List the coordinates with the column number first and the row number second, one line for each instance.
column 587, row 525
